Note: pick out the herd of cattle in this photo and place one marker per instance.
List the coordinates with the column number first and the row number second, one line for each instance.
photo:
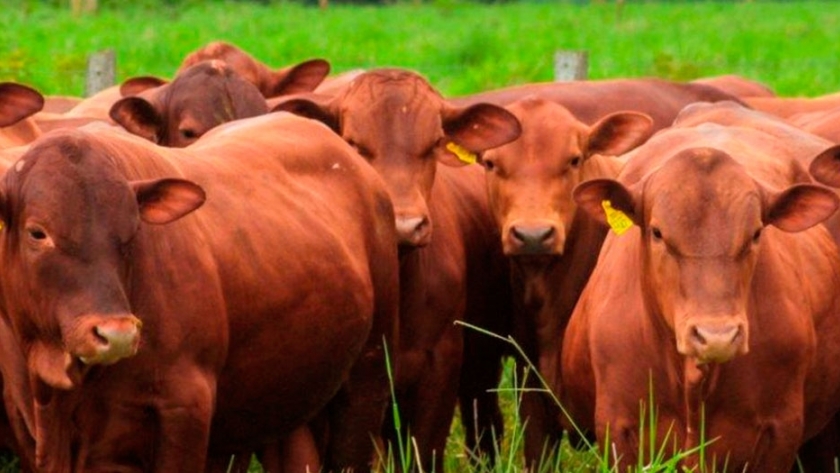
column 177, row 290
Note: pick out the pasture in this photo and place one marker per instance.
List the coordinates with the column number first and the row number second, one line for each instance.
column 461, row 47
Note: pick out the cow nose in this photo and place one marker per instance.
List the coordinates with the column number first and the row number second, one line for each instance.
column 113, row 339
column 414, row 231
column 716, row 344
column 533, row 239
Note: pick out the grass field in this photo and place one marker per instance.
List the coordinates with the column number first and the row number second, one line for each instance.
column 461, row 47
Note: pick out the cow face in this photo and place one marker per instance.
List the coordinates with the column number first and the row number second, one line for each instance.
column 530, row 180
column 700, row 242
column 200, row 98
column 70, row 222
column 403, row 127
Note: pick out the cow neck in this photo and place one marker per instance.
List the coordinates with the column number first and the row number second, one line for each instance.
column 699, row 382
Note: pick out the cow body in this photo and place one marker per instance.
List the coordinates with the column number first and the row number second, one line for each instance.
column 716, row 306
column 250, row 315
column 590, row 101
column 552, row 245
column 451, row 264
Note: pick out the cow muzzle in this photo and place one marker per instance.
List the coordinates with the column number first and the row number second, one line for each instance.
column 414, row 230
column 105, row 340
column 714, row 342
column 533, row 239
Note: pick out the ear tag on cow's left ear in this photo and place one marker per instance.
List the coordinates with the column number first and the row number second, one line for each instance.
column 463, row 153
column 617, row 220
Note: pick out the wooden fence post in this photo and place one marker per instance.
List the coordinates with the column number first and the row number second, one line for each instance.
column 83, row 6
column 101, row 71
column 570, row 65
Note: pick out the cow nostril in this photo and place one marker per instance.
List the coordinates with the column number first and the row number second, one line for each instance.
column 99, row 337
column 697, row 336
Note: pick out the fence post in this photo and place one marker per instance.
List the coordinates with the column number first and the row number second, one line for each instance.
column 570, row 65
column 101, row 72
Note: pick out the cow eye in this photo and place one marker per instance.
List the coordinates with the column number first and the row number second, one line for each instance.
column 756, row 236
column 656, row 233
column 189, row 134
column 36, row 234
column 488, row 164
column 575, row 162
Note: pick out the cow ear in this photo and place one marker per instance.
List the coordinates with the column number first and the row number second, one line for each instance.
column 17, row 102
column 825, row 168
column 303, row 77
column 135, row 85
column 607, row 200
column 800, row 207
column 480, row 127
column 138, row 116
column 618, row 133
column 315, row 106
column 166, row 200
column 52, row 365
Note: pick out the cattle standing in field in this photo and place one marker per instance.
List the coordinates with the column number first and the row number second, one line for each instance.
column 303, row 77
column 552, row 246
column 589, row 101
column 154, row 325
column 718, row 303
column 201, row 97
column 451, row 266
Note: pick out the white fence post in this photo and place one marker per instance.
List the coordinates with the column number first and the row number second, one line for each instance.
column 570, row 65
column 101, row 71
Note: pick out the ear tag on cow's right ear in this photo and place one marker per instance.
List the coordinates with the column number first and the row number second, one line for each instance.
column 463, row 153
column 617, row 220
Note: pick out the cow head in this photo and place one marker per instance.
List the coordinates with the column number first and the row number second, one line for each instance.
column 403, row 127
column 69, row 226
column 530, row 180
column 18, row 102
column 302, row 77
column 700, row 239
column 178, row 113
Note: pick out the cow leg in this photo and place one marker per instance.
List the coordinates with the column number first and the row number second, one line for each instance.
column 432, row 408
column 356, row 413
column 184, row 419
column 542, row 432
column 479, row 402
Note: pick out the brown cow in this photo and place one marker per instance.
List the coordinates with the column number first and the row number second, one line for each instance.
column 303, row 77
column 199, row 98
column 142, row 321
column 552, row 246
column 737, row 86
column 589, row 101
column 719, row 304
column 786, row 107
column 451, row 266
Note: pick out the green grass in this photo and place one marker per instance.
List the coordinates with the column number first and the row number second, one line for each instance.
column 461, row 47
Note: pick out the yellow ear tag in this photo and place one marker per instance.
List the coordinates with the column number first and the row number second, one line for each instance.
column 463, row 153
column 618, row 220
